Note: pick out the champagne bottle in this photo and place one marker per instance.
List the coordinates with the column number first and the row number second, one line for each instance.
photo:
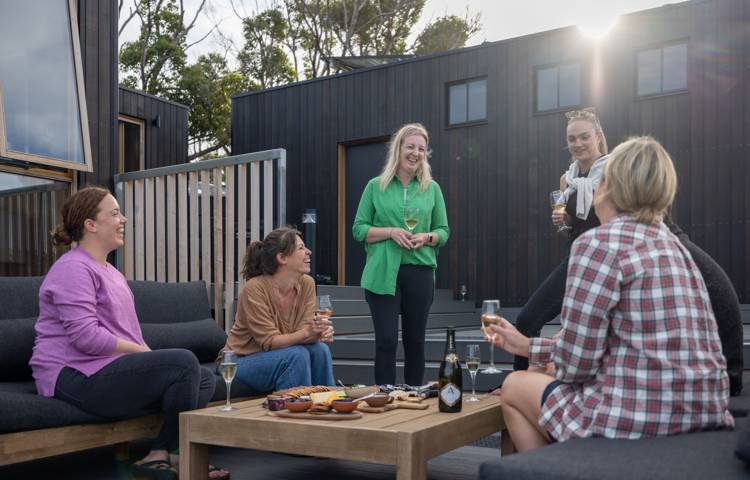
column 450, row 376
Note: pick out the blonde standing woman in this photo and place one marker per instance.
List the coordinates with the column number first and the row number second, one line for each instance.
column 399, row 275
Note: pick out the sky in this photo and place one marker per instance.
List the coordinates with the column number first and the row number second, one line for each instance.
column 499, row 18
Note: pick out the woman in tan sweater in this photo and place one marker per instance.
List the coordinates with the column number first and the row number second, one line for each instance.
column 280, row 341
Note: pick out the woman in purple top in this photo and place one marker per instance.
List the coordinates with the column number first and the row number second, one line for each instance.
column 89, row 350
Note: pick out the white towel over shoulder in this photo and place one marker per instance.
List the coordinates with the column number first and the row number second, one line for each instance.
column 585, row 186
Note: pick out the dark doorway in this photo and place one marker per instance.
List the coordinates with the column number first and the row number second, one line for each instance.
column 363, row 162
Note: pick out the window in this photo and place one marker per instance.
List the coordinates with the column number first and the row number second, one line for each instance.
column 131, row 146
column 467, row 102
column 43, row 116
column 558, row 87
column 29, row 209
column 662, row 70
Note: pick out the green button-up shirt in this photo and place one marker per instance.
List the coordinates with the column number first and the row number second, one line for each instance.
column 386, row 209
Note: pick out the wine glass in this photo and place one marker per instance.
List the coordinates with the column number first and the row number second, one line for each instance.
column 473, row 357
column 557, row 202
column 324, row 308
column 490, row 316
column 411, row 217
column 228, row 369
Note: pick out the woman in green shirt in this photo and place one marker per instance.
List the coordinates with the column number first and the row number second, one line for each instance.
column 399, row 276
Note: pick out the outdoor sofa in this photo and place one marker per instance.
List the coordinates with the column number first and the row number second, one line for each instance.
column 172, row 315
column 701, row 455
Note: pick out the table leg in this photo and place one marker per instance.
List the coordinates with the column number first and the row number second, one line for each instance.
column 193, row 456
column 410, row 464
column 506, row 443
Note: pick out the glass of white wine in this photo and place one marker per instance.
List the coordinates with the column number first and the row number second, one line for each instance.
column 228, row 369
column 411, row 217
column 558, row 203
column 490, row 316
column 324, row 308
column 473, row 357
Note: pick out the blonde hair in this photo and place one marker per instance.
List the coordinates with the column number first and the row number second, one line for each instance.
column 588, row 114
column 641, row 179
column 424, row 172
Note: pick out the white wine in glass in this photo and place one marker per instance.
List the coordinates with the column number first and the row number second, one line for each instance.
column 490, row 316
column 558, row 203
column 228, row 367
column 411, row 217
column 473, row 357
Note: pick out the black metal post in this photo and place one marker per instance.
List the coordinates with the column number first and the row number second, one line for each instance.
column 309, row 220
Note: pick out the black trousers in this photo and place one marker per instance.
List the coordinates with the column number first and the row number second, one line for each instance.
column 543, row 306
column 415, row 289
column 136, row 384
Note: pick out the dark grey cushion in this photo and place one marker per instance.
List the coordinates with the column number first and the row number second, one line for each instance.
column 22, row 409
column 19, row 297
column 689, row 456
column 239, row 389
column 16, row 342
column 202, row 337
column 157, row 302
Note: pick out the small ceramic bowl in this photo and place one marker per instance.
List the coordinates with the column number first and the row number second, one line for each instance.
column 378, row 400
column 276, row 402
column 344, row 405
column 297, row 406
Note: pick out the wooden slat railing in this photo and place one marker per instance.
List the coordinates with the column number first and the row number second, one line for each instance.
column 190, row 222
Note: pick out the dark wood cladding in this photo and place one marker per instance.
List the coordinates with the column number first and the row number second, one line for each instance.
column 496, row 176
column 97, row 27
column 166, row 144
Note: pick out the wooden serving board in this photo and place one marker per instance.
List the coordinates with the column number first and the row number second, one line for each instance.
column 393, row 406
column 311, row 416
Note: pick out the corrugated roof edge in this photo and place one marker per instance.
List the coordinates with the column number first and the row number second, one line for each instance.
column 462, row 50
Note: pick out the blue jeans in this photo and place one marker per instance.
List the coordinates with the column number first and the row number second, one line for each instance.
column 288, row 367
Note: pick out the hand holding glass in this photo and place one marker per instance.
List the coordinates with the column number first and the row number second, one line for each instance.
column 558, row 203
column 411, row 217
column 490, row 316
column 228, row 369
column 473, row 358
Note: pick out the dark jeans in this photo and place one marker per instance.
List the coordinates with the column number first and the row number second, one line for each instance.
column 415, row 289
column 543, row 306
column 136, row 384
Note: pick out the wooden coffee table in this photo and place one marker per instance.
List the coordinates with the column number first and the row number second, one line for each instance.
column 405, row 438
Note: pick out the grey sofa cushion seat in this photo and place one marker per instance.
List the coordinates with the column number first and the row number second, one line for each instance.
column 689, row 456
column 239, row 389
column 157, row 302
column 16, row 342
column 20, row 297
column 202, row 337
column 22, row 409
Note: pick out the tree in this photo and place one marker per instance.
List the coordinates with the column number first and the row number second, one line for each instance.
column 263, row 57
column 446, row 33
column 207, row 87
column 153, row 61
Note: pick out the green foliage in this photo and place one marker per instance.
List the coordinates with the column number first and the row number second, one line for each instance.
column 446, row 33
column 153, row 61
column 263, row 58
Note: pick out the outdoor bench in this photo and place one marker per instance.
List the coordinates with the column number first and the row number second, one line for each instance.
column 172, row 315
column 700, row 455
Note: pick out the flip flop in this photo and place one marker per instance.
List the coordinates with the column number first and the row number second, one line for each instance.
column 154, row 470
column 215, row 470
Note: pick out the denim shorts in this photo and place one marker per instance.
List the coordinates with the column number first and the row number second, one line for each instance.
column 553, row 384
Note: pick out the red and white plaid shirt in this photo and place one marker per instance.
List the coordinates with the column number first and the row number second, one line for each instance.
column 639, row 353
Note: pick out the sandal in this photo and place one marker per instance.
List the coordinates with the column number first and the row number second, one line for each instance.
column 154, row 470
column 219, row 473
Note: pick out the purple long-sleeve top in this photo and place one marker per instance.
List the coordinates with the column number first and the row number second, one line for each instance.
column 84, row 307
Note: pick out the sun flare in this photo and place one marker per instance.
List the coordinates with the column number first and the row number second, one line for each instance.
column 598, row 23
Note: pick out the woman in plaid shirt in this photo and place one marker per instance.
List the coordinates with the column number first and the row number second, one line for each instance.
column 638, row 354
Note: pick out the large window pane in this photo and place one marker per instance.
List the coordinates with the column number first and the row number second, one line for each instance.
column 570, row 85
column 477, row 100
column 457, row 104
column 675, row 67
column 546, row 88
column 38, row 81
column 649, row 72
column 29, row 210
